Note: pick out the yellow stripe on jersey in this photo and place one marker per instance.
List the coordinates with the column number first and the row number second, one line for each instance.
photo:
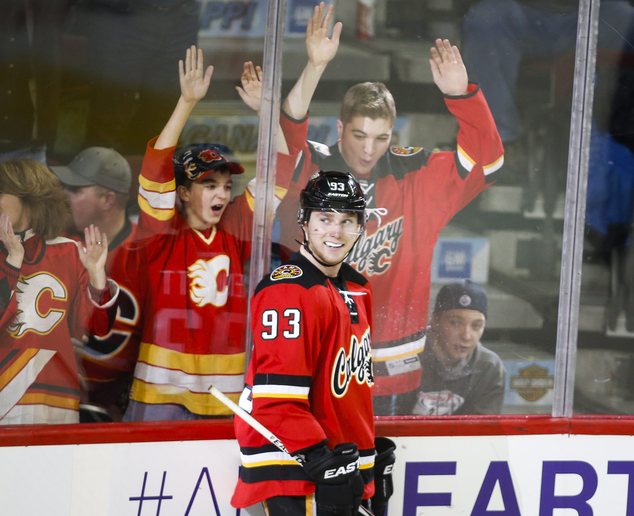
column 52, row 400
column 155, row 186
column 401, row 351
column 198, row 403
column 280, row 193
column 280, row 396
column 192, row 382
column 265, row 463
column 16, row 366
column 190, row 362
column 465, row 160
column 496, row 165
column 155, row 213
column 268, row 458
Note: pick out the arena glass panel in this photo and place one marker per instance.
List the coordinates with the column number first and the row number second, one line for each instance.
column 107, row 74
column 508, row 239
column 602, row 383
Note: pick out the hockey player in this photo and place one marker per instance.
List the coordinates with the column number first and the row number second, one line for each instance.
column 52, row 290
column 310, row 376
column 412, row 193
column 188, row 269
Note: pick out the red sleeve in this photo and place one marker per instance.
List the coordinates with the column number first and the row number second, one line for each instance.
column 286, row 334
column 478, row 143
column 295, row 132
column 157, row 191
column 238, row 217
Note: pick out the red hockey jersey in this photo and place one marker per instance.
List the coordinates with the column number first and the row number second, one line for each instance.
column 412, row 194
column 107, row 361
column 192, row 293
column 43, row 306
column 309, row 379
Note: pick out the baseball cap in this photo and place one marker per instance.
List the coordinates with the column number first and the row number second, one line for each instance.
column 193, row 162
column 96, row 166
column 462, row 295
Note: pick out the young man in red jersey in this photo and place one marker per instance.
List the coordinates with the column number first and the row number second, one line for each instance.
column 187, row 270
column 412, row 193
column 310, row 376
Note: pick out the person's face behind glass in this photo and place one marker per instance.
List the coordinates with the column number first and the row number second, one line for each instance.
column 457, row 332
column 206, row 200
column 13, row 207
column 86, row 203
column 362, row 142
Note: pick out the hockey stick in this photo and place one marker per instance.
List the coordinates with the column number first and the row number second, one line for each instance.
column 261, row 429
column 250, row 420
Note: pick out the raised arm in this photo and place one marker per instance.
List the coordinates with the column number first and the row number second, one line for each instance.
column 194, row 81
column 250, row 91
column 447, row 68
column 321, row 49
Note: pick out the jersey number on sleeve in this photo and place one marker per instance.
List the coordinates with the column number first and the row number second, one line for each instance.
column 290, row 324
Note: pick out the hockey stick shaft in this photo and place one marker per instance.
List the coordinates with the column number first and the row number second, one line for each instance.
column 261, row 429
column 249, row 419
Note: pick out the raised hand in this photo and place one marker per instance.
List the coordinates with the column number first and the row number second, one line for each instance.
column 322, row 49
column 194, row 78
column 93, row 254
column 11, row 242
column 251, row 90
column 447, row 68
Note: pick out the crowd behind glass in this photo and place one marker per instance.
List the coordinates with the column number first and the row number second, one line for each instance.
column 464, row 187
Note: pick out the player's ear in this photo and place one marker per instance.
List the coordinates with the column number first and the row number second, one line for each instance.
column 339, row 129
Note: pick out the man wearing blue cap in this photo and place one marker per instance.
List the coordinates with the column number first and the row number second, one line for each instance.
column 460, row 375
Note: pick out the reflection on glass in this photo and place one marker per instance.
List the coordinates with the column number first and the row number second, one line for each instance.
column 179, row 253
column 412, row 192
column 606, row 325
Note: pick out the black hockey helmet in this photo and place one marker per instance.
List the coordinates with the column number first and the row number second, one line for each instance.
column 331, row 191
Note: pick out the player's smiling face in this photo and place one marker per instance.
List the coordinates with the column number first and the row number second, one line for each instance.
column 331, row 235
column 205, row 200
column 362, row 142
column 457, row 333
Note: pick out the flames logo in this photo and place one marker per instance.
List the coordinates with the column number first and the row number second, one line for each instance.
column 209, row 156
column 204, row 287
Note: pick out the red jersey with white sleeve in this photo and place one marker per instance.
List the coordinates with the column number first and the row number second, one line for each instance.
column 190, row 285
column 45, row 305
column 412, row 194
column 310, row 377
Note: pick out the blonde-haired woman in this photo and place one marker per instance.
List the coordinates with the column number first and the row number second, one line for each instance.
column 52, row 290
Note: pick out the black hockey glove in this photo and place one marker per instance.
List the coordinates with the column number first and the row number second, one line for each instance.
column 383, row 465
column 339, row 484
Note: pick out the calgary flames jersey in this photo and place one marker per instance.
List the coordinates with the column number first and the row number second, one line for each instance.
column 107, row 362
column 190, row 286
column 412, row 194
column 43, row 306
column 309, row 379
